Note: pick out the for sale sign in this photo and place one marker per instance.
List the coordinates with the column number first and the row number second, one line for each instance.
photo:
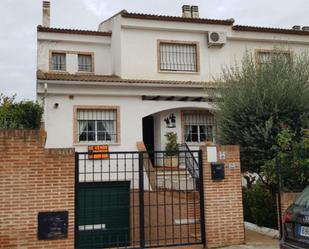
column 98, row 152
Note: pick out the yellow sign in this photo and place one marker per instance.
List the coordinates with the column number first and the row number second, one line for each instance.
column 98, row 152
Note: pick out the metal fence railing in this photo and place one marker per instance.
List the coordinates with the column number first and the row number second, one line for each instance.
column 137, row 200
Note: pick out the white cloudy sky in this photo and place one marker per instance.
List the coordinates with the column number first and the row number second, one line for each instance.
column 19, row 19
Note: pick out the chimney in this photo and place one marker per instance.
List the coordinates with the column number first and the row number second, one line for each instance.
column 186, row 11
column 305, row 28
column 46, row 14
column 296, row 27
column 194, row 11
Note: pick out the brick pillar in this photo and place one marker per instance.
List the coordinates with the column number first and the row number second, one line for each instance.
column 287, row 198
column 224, row 219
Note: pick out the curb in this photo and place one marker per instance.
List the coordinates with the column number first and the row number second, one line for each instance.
column 262, row 230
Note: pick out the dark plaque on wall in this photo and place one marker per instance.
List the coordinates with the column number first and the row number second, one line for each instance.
column 52, row 225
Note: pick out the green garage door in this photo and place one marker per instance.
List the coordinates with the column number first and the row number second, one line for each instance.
column 103, row 215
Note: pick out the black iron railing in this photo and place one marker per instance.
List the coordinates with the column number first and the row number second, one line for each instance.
column 191, row 163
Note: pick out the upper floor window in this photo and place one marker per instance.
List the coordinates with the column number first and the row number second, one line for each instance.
column 85, row 63
column 178, row 57
column 59, row 61
column 199, row 127
column 265, row 56
column 97, row 125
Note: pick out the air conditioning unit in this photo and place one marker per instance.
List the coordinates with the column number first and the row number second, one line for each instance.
column 217, row 39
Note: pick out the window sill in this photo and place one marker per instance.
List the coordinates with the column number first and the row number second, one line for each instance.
column 195, row 143
column 84, row 73
column 178, row 72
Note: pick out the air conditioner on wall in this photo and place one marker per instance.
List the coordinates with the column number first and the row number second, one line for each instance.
column 216, row 39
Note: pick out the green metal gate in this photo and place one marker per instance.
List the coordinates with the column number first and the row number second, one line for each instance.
column 103, row 214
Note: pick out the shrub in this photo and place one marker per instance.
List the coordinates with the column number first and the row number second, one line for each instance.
column 19, row 115
column 293, row 161
column 171, row 146
column 259, row 206
column 258, row 100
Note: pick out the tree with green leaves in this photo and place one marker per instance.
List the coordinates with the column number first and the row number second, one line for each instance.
column 293, row 158
column 258, row 101
column 19, row 115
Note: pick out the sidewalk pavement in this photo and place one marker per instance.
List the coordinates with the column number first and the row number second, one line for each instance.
column 256, row 241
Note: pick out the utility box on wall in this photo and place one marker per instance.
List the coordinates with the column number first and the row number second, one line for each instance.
column 217, row 171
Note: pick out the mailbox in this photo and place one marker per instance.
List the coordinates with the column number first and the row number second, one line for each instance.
column 52, row 225
column 217, row 171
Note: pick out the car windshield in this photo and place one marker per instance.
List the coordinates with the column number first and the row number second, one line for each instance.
column 303, row 199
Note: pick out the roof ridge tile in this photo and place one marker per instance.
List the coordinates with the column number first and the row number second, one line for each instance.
column 177, row 18
column 72, row 31
column 249, row 28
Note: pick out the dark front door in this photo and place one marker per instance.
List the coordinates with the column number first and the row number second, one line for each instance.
column 103, row 215
column 148, row 133
column 148, row 136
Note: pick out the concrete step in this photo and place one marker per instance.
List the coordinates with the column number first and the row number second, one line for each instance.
column 176, row 183
column 173, row 173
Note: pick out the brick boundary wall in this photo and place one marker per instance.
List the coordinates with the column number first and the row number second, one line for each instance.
column 224, row 218
column 32, row 180
column 287, row 198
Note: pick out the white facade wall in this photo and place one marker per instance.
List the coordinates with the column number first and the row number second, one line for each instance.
column 59, row 121
column 160, row 142
column 212, row 60
column 161, row 128
column 139, row 40
column 114, row 25
column 72, row 44
column 131, row 53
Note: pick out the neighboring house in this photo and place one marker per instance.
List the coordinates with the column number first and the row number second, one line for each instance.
column 140, row 76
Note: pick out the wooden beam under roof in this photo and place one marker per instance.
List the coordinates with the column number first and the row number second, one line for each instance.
column 177, row 98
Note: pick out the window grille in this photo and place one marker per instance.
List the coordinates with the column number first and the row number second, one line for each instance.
column 84, row 63
column 97, row 125
column 199, row 127
column 59, row 61
column 178, row 57
column 265, row 57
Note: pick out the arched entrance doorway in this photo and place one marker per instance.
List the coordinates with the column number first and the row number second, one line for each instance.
column 193, row 126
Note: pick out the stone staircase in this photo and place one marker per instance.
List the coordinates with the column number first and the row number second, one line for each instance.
column 174, row 178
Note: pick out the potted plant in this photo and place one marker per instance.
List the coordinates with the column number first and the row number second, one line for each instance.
column 171, row 150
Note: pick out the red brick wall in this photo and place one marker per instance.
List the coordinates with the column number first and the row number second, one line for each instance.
column 286, row 200
column 223, row 201
column 33, row 180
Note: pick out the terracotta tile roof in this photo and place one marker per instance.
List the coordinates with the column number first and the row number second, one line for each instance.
column 114, row 79
column 72, row 31
column 126, row 14
column 269, row 30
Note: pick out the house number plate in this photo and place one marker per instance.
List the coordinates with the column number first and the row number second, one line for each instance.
column 304, row 231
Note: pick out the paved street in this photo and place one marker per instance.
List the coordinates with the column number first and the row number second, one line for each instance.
column 256, row 241
column 253, row 241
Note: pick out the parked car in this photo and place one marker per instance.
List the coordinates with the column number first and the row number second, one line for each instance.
column 296, row 224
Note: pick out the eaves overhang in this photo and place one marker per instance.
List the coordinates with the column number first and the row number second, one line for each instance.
column 104, row 80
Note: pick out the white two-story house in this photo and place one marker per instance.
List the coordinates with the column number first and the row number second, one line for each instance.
column 140, row 76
